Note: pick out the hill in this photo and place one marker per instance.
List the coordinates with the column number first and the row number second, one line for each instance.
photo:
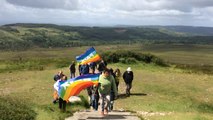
column 189, row 30
column 25, row 36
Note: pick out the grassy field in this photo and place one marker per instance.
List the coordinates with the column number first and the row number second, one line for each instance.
column 183, row 54
column 158, row 92
column 171, row 92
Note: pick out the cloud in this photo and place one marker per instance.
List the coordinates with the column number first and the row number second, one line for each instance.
column 108, row 12
column 46, row 4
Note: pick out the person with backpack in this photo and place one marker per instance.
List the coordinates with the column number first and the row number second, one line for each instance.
column 106, row 84
column 62, row 103
column 128, row 78
column 72, row 70
column 57, row 77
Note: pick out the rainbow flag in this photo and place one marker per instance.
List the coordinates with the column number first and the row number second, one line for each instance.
column 74, row 86
column 89, row 56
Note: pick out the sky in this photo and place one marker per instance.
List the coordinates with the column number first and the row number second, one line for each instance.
column 108, row 12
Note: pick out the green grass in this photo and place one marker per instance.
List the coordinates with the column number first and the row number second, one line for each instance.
column 36, row 87
column 187, row 95
column 15, row 109
column 167, row 90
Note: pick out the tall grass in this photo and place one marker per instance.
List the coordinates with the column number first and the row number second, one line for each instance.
column 15, row 109
column 33, row 64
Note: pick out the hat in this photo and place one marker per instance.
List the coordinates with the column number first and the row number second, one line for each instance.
column 129, row 69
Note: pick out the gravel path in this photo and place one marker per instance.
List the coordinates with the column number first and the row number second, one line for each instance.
column 95, row 115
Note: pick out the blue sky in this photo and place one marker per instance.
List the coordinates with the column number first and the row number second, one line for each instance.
column 108, row 12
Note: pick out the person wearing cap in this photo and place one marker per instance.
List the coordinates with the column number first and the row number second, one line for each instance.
column 128, row 78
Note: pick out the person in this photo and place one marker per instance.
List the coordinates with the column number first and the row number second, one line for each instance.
column 102, row 65
column 72, row 70
column 79, row 69
column 117, row 77
column 128, row 78
column 112, row 94
column 111, row 72
column 106, row 83
column 95, row 97
column 58, row 75
column 84, row 69
column 93, row 66
column 62, row 103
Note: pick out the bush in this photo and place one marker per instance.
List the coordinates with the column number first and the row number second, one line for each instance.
column 131, row 60
column 122, row 60
column 129, row 57
column 13, row 109
column 158, row 61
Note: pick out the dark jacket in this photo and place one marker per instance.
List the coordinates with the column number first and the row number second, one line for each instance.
column 93, row 65
column 128, row 77
column 72, row 68
column 102, row 66
column 84, row 69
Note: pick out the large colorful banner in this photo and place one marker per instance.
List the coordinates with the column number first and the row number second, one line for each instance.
column 89, row 56
column 74, row 86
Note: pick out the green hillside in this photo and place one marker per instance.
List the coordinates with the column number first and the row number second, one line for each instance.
column 189, row 30
column 25, row 36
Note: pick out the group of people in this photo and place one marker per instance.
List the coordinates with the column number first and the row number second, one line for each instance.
column 105, row 92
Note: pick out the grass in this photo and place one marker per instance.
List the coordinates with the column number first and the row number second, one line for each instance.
column 36, row 87
column 164, row 90
column 186, row 95
column 14, row 108
column 155, row 89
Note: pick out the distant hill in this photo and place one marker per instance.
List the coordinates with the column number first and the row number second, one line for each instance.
column 25, row 36
column 189, row 30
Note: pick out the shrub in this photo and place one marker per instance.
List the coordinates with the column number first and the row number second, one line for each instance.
column 130, row 57
column 14, row 109
column 122, row 60
column 131, row 60
column 159, row 61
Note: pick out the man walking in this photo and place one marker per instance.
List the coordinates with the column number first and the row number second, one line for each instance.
column 128, row 77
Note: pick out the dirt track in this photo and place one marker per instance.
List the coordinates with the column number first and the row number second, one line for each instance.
column 95, row 115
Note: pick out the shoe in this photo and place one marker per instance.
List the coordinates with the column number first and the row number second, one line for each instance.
column 102, row 114
column 106, row 111
column 54, row 101
column 111, row 107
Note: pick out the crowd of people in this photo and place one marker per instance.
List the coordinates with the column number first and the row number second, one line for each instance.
column 102, row 94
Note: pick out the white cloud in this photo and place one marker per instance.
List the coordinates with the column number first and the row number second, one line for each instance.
column 108, row 12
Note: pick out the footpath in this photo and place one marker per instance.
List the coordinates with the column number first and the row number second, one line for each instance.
column 95, row 115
